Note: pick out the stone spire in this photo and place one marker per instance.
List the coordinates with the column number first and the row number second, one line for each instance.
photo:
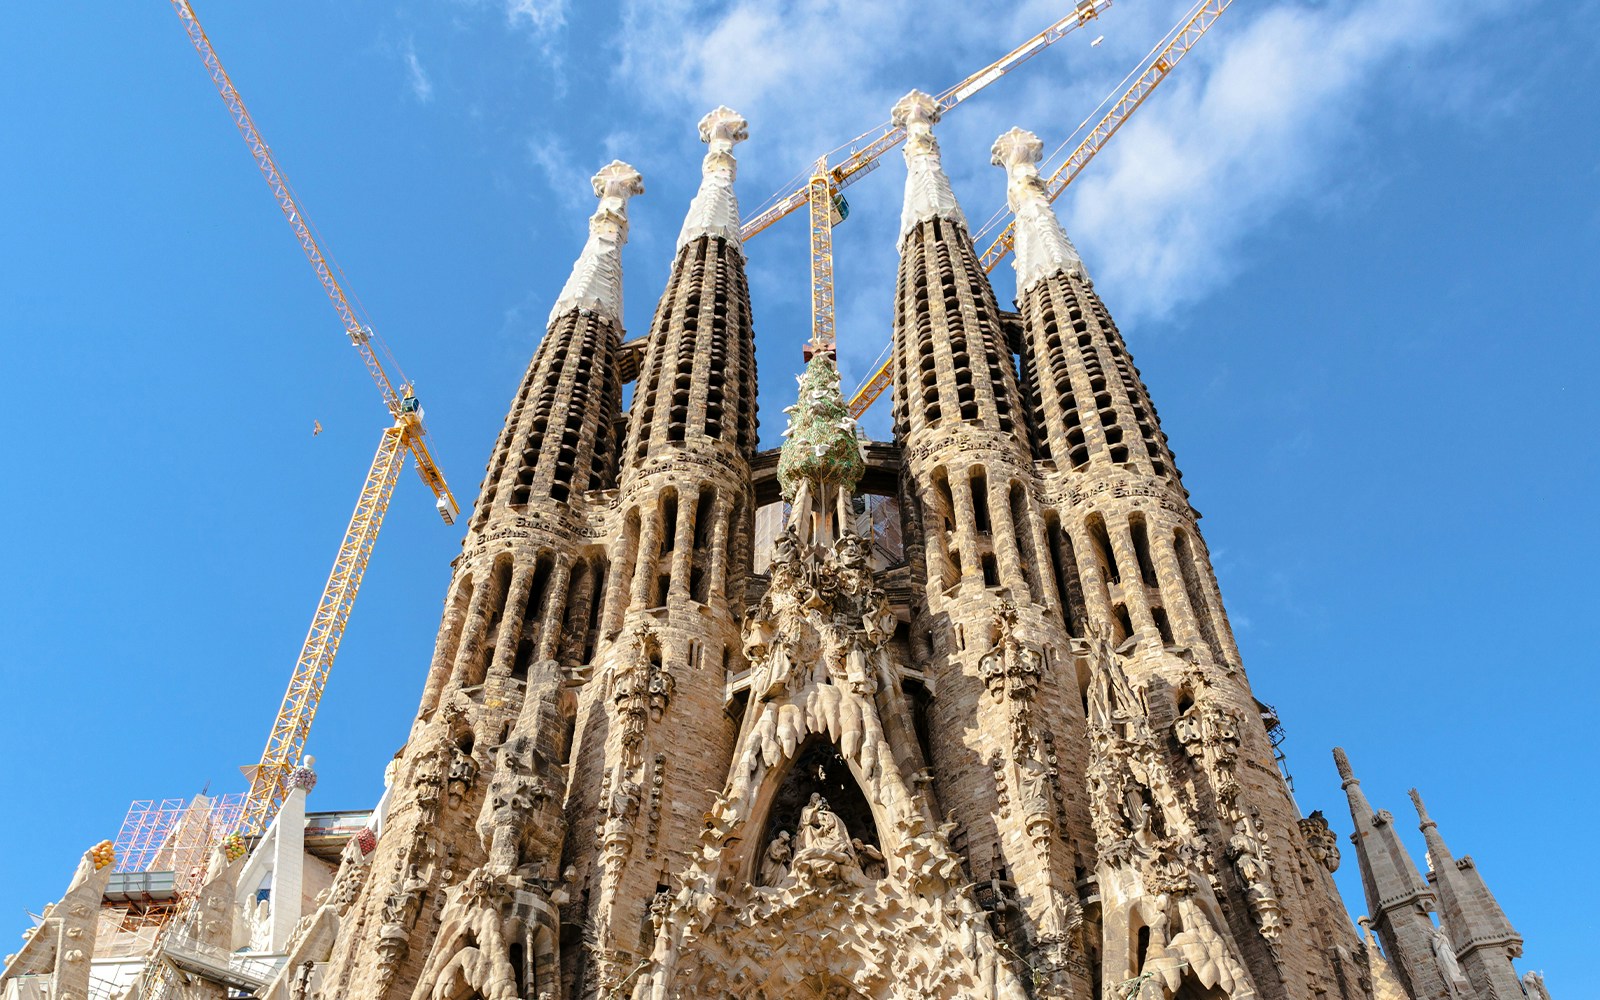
column 715, row 208
column 651, row 727
column 1042, row 246
column 928, row 193
column 1385, row 985
column 1398, row 900
column 697, row 378
column 1484, row 940
column 596, row 280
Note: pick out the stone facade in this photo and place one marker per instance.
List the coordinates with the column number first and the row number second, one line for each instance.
column 1022, row 761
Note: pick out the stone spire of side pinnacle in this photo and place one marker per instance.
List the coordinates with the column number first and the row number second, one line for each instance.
column 1042, row 246
column 596, row 280
column 1398, row 900
column 715, row 209
column 1387, row 870
column 928, row 192
column 1484, row 939
column 1385, row 985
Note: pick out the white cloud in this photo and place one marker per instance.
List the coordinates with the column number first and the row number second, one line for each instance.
column 565, row 175
column 542, row 17
column 1266, row 116
column 420, row 84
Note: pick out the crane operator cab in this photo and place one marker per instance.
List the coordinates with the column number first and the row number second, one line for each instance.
column 410, row 405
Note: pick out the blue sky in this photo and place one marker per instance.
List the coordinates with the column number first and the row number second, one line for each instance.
column 1351, row 244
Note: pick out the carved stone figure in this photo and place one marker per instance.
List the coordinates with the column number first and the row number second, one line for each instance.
column 1252, row 856
column 640, row 689
column 405, row 903
column 872, row 861
column 775, row 864
column 1321, row 843
column 1444, row 952
column 824, row 842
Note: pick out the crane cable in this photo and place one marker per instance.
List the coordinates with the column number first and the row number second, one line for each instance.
column 1116, row 94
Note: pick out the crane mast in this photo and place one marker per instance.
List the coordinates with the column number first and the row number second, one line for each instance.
column 407, row 434
column 820, row 192
column 1182, row 39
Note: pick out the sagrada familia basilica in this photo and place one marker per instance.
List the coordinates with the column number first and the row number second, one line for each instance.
column 691, row 731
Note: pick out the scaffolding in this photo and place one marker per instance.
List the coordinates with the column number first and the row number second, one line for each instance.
column 1275, row 736
column 175, row 835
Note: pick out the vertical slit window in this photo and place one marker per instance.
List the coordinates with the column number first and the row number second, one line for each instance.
column 1103, row 552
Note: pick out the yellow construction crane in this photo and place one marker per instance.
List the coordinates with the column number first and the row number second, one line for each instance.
column 1155, row 69
column 407, row 435
column 821, row 191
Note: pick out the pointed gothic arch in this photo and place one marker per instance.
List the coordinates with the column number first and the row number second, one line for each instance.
column 817, row 767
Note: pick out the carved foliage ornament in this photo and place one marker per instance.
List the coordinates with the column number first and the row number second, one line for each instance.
column 641, row 690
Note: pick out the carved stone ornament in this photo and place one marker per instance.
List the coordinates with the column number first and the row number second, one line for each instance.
column 596, row 280
column 928, row 191
column 1042, row 246
column 500, row 925
column 641, row 691
column 1010, row 670
column 1321, row 842
column 1153, row 866
column 715, row 209
column 463, row 773
column 864, row 918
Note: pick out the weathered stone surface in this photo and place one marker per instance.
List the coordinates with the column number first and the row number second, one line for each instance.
column 1023, row 762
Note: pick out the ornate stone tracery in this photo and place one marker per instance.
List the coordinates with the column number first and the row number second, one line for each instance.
column 499, row 927
column 1154, row 863
column 750, row 907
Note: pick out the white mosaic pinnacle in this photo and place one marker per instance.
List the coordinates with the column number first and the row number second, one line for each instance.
column 1042, row 247
column 928, row 193
column 596, row 280
column 715, row 209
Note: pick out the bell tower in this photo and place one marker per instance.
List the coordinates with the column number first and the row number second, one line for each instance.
column 521, row 610
column 653, row 739
column 990, row 629
column 1174, row 724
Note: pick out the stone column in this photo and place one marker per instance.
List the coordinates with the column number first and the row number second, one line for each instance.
column 472, row 634
column 649, row 560
column 721, row 511
column 619, row 587
column 1174, row 592
column 683, row 545
column 1097, row 605
column 1006, row 551
column 510, row 635
column 555, row 604
column 1133, row 592
column 966, row 526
